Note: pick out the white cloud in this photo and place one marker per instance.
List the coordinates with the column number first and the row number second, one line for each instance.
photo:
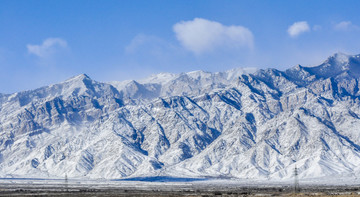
column 47, row 48
column 298, row 28
column 201, row 35
column 345, row 26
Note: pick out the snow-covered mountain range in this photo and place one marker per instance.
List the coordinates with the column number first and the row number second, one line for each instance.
column 242, row 123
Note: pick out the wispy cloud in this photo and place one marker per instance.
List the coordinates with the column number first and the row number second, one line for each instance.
column 345, row 26
column 143, row 41
column 201, row 35
column 298, row 28
column 47, row 48
column 317, row 28
column 149, row 45
column 152, row 51
column 136, row 42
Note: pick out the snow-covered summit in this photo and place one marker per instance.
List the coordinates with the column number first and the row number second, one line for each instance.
column 77, row 78
column 234, row 73
column 168, row 84
column 160, row 78
column 338, row 64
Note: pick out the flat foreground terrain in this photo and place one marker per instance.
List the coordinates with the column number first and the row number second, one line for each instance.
column 138, row 188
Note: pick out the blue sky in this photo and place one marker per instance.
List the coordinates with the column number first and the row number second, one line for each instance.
column 45, row 42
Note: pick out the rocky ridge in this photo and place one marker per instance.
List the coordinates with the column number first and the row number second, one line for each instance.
column 234, row 124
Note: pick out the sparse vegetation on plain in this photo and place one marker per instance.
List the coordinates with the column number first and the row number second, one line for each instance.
column 146, row 189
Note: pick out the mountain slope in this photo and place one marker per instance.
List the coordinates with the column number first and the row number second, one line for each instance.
column 255, row 125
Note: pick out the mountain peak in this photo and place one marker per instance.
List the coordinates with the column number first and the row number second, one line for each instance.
column 80, row 77
column 336, row 65
column 161, row 78
column 338, row 59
